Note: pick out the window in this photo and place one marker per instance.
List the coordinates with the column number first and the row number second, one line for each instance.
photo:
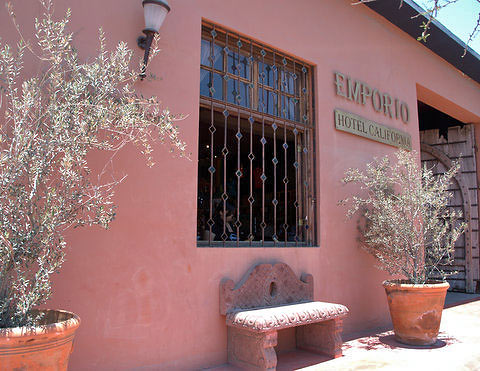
column 256, row 140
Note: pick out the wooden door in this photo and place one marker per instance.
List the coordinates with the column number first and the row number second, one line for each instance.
column 439, row 153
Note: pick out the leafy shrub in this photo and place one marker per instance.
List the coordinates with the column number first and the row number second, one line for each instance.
column 52, row 121
column 406, row 222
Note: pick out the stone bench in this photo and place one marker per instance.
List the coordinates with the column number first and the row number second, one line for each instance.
column 270, row 298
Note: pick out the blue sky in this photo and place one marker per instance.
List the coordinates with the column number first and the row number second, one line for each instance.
column 460, row 18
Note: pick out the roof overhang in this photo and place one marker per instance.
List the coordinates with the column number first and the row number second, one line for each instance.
column 441, row 41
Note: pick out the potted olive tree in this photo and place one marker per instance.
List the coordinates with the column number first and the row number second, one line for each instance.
column 49, row 125
column 407, row 225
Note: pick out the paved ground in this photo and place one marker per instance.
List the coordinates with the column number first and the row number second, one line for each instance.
column 457, row 348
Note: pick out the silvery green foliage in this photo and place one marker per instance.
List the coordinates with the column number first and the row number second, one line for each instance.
column 405, row 222
column 50, row 123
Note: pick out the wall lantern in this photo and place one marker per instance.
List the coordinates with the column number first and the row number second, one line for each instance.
column 155, row 12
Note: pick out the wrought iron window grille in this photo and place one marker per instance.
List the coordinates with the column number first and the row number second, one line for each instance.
column 256, row 145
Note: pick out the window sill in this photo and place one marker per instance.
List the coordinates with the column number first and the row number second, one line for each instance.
column 254, row 244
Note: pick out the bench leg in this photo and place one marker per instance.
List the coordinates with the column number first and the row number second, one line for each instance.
column 252, row 350
column 323, row 337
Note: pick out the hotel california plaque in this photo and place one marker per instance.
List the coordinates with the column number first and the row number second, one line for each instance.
column 354, row 124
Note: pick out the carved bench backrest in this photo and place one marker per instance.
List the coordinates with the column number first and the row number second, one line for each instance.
column 265, row 285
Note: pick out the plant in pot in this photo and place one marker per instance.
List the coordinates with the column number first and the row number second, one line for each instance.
column 407, row 226
column 51, row 125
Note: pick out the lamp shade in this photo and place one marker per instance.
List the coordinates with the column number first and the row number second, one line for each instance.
column 154, row 12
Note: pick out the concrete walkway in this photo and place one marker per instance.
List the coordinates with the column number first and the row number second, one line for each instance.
column 457, row 348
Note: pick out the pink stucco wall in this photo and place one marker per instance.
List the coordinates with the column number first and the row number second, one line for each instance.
column 147, row 296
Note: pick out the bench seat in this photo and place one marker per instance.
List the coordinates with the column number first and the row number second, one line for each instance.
column 270, row 298
column 285, row 316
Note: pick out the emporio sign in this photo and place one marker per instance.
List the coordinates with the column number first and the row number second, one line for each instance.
column 381, row 102
column 362, row 93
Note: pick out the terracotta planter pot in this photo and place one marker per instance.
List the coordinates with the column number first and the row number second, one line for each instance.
column 416, row 310
column 45, row 347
